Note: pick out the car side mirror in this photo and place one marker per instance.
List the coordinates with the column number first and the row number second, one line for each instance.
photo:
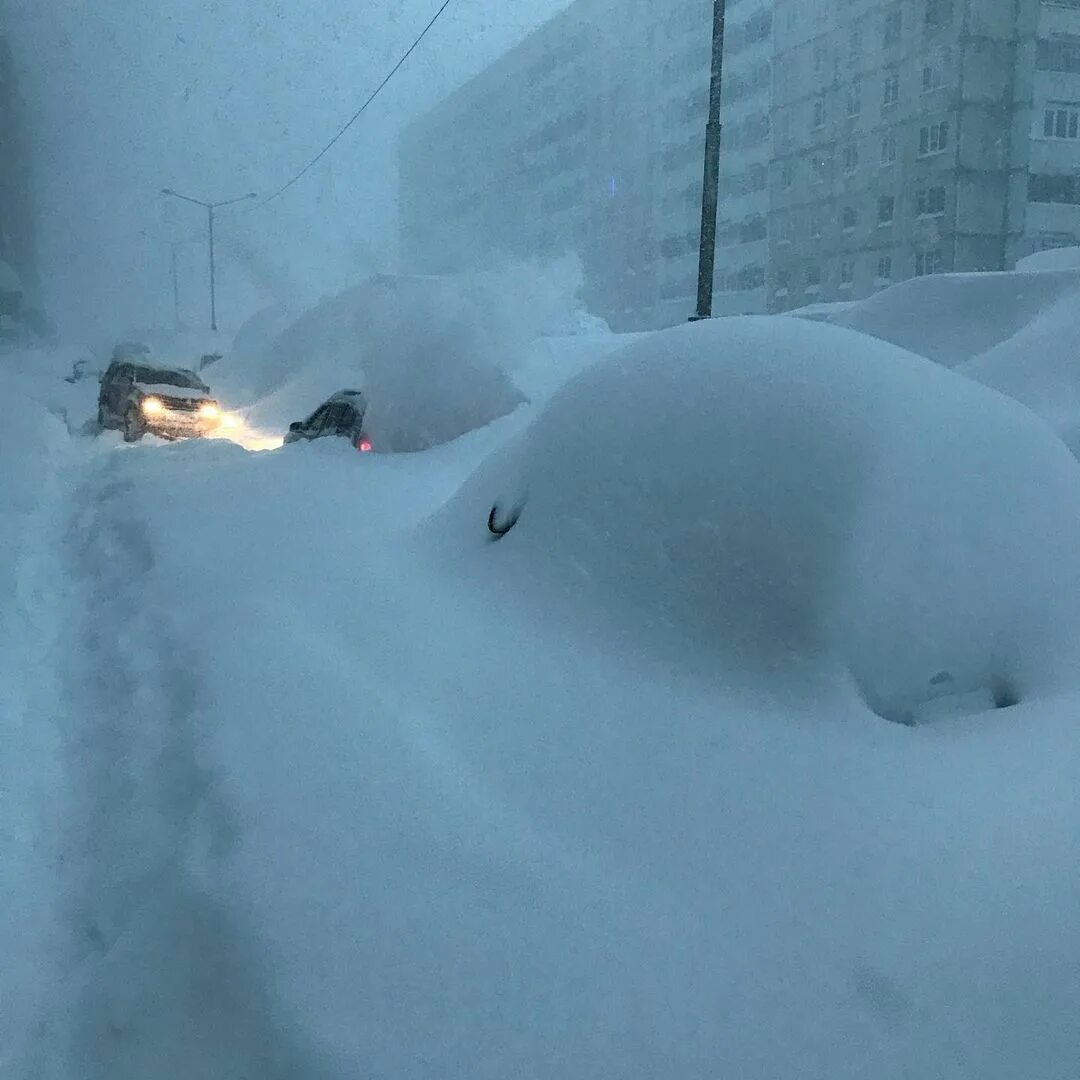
column 296, row 425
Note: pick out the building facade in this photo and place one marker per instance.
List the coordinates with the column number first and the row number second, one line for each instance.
column 589, row 137
column 919, row 136
column 18, row 271
column 864, row 142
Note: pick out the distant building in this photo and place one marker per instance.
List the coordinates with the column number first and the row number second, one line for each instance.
column 919, row 136
column 588, row 137
column 18, row 272
column 865, row 141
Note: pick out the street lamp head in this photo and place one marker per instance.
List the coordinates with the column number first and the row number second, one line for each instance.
column 251, row 195
column 167, row 191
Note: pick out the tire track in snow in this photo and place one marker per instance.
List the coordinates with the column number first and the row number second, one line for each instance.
column 167, row 985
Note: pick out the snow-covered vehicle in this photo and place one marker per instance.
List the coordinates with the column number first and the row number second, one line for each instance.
column 341, row 415
column 171, row 402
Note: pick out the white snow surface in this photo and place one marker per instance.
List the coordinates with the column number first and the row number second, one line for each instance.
column 952, row 318
column 1063, row 258
column 1015, row 332
column 308, row 775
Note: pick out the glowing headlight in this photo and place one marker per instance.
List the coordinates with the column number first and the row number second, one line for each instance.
column 152, row 406
column 231, row 420
column 209, row 412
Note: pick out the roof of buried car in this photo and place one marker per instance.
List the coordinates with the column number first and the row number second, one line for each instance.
column 168, row 390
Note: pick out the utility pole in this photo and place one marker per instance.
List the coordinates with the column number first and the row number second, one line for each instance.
column 174, row 269
column 174, row 252
column 210, row 208
column 711, row 183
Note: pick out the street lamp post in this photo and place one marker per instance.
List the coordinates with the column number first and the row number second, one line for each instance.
column 174, row 267
column 711, row 184
column 210, row 207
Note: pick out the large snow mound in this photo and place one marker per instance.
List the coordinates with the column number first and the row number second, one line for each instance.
column 1038, row 366
column 759, row 495
column 952, row 318
column 1064, row 258
column 427, row 355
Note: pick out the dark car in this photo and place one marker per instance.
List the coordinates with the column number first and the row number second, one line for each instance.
column 171, row 402
column 341, row 415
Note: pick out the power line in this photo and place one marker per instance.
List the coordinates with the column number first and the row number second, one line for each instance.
column 359, row 112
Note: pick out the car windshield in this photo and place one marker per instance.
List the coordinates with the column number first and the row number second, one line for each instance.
column 159, row 377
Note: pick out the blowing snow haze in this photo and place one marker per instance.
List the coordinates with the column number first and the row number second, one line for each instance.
column 463, row 664
column 214, row 100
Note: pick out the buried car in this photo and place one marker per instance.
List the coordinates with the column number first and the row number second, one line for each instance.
column 171, row 402
column 341, row 415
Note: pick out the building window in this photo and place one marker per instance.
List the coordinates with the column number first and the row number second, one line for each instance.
column 894, row 26
column 1061, row 53
column 938, row 14
column 1054, row 188
column 752, row 229
column 849, row 218
column 931, row 201
column 814, row 225
column 847, row 274
column 934, row 139
column 819, row 60
column 1061, row 120
column 886, row 209
column 854, row 98
column 787, row 174
column 888, row 149
column 936, row 70
column 783, row 281
column 855, row 46
column 813, row 278
column 819, row 168
column 929, row 262
column 1048, row 241
column 819, row 114
column 890, row 93
column 850, row 157
column 884, row 268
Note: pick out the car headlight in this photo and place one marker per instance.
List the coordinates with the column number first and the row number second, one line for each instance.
column 152, row 406
column 209, row 412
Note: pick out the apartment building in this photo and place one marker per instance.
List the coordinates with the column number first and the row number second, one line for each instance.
column 864, row 142
column 18, row 274
column 588, row 137
column 915, row 137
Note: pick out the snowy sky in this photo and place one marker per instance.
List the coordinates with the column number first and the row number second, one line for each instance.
column 216, row 98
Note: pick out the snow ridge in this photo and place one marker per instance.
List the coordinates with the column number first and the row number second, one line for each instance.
column 165, row 983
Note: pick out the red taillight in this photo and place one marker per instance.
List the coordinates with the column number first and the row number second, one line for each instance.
column 364, row 445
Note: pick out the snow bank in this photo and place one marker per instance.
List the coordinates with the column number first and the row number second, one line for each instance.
column 951, row 318
column 481, row 830
column 1063, row 258
column 754, row 495
column 421, row 348
column 33, row 446
column 438, row 355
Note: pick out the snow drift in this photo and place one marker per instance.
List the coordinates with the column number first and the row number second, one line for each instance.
column 435, row 355
column 952, row 318
column 482, row 830
column 756, row 495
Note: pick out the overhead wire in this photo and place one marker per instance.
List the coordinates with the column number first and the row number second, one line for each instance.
column 359, row 112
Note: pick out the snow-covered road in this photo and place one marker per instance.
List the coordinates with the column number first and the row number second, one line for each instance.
column 164, row 982
column 305, row 777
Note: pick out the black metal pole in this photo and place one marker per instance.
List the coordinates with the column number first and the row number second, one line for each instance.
column 213, row 283
column 175, row 285
column 711, row 182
